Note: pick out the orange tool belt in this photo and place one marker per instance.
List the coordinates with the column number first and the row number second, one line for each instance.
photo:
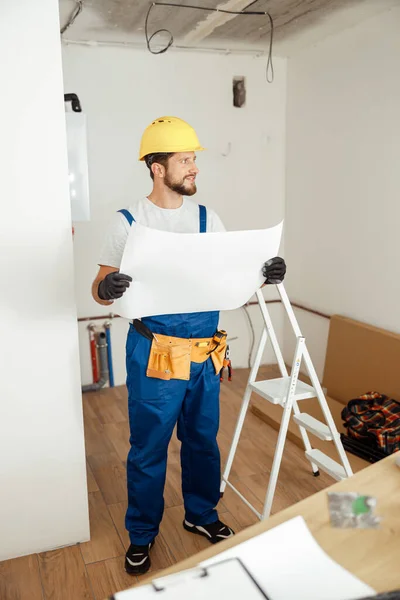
column 170, row 357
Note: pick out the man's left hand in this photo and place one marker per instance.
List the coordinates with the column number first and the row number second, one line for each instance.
column 274, row 270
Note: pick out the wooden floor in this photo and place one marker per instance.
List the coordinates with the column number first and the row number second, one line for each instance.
column 95, row 570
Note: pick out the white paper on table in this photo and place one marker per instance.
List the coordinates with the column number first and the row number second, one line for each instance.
column 288, row 564
column 193, row 272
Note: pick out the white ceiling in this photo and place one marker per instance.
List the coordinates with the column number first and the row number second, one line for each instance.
column 298, row 23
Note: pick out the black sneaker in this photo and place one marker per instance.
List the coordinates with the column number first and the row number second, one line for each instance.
column 214, row 532
column 137, row 559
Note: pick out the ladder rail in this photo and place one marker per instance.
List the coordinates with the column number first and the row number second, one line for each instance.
column 271, row 333
column 315, row 383
column 243, row 410
column 282, row 366
column 327, row 415
column 304, row 437
column 273, row 478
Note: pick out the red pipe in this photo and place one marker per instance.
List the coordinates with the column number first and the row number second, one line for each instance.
column 93, row 355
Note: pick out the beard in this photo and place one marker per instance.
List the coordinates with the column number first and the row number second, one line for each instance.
column 185, row 188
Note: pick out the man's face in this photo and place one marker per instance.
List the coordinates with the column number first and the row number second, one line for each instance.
column 181, row 173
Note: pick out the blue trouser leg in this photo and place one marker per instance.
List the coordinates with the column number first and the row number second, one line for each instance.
column 154, row 407
column 200, row 458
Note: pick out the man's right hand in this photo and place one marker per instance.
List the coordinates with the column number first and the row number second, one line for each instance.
column 113, row 286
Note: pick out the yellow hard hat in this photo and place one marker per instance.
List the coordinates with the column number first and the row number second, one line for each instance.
column 169, row 134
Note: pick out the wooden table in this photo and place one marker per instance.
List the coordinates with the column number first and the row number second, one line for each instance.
column 372, row 555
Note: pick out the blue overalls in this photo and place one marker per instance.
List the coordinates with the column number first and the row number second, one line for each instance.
column 155, row 406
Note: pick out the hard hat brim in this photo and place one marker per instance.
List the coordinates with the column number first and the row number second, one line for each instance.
column 172, row 150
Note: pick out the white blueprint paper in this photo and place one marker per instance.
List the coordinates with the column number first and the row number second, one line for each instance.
column 288, row 564
column 193, row 272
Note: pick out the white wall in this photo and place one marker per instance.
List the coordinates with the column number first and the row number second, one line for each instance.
column 42, row 463
column 121, row 91
column 343, row 178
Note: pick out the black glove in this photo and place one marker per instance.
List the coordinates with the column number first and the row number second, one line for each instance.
column 113, row 286
column 274, row 270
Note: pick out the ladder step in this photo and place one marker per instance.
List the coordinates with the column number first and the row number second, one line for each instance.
column 314, row 426
column 325, row 463
column 275, row 390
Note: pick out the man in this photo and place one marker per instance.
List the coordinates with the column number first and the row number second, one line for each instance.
column 156, row 403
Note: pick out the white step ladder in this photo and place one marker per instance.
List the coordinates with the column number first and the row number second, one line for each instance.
column 287, row 391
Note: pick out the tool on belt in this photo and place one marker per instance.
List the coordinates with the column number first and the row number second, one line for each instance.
column 226, row 365
column 171, row 357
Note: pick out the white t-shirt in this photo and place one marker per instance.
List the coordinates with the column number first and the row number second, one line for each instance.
column 184, row 219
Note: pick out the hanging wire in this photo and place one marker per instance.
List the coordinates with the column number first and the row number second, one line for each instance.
column 244, row 12
column 75, row 13
column 253, row 336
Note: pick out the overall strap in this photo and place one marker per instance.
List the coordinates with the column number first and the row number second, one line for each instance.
column 127, row 215
column 203, row 218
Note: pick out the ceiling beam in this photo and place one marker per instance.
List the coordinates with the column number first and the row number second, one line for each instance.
column 215, row 19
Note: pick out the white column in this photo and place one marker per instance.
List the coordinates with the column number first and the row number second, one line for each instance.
column 43, row 498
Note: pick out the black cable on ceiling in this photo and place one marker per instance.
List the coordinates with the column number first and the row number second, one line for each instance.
column 244, row 12
column 75, row 13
